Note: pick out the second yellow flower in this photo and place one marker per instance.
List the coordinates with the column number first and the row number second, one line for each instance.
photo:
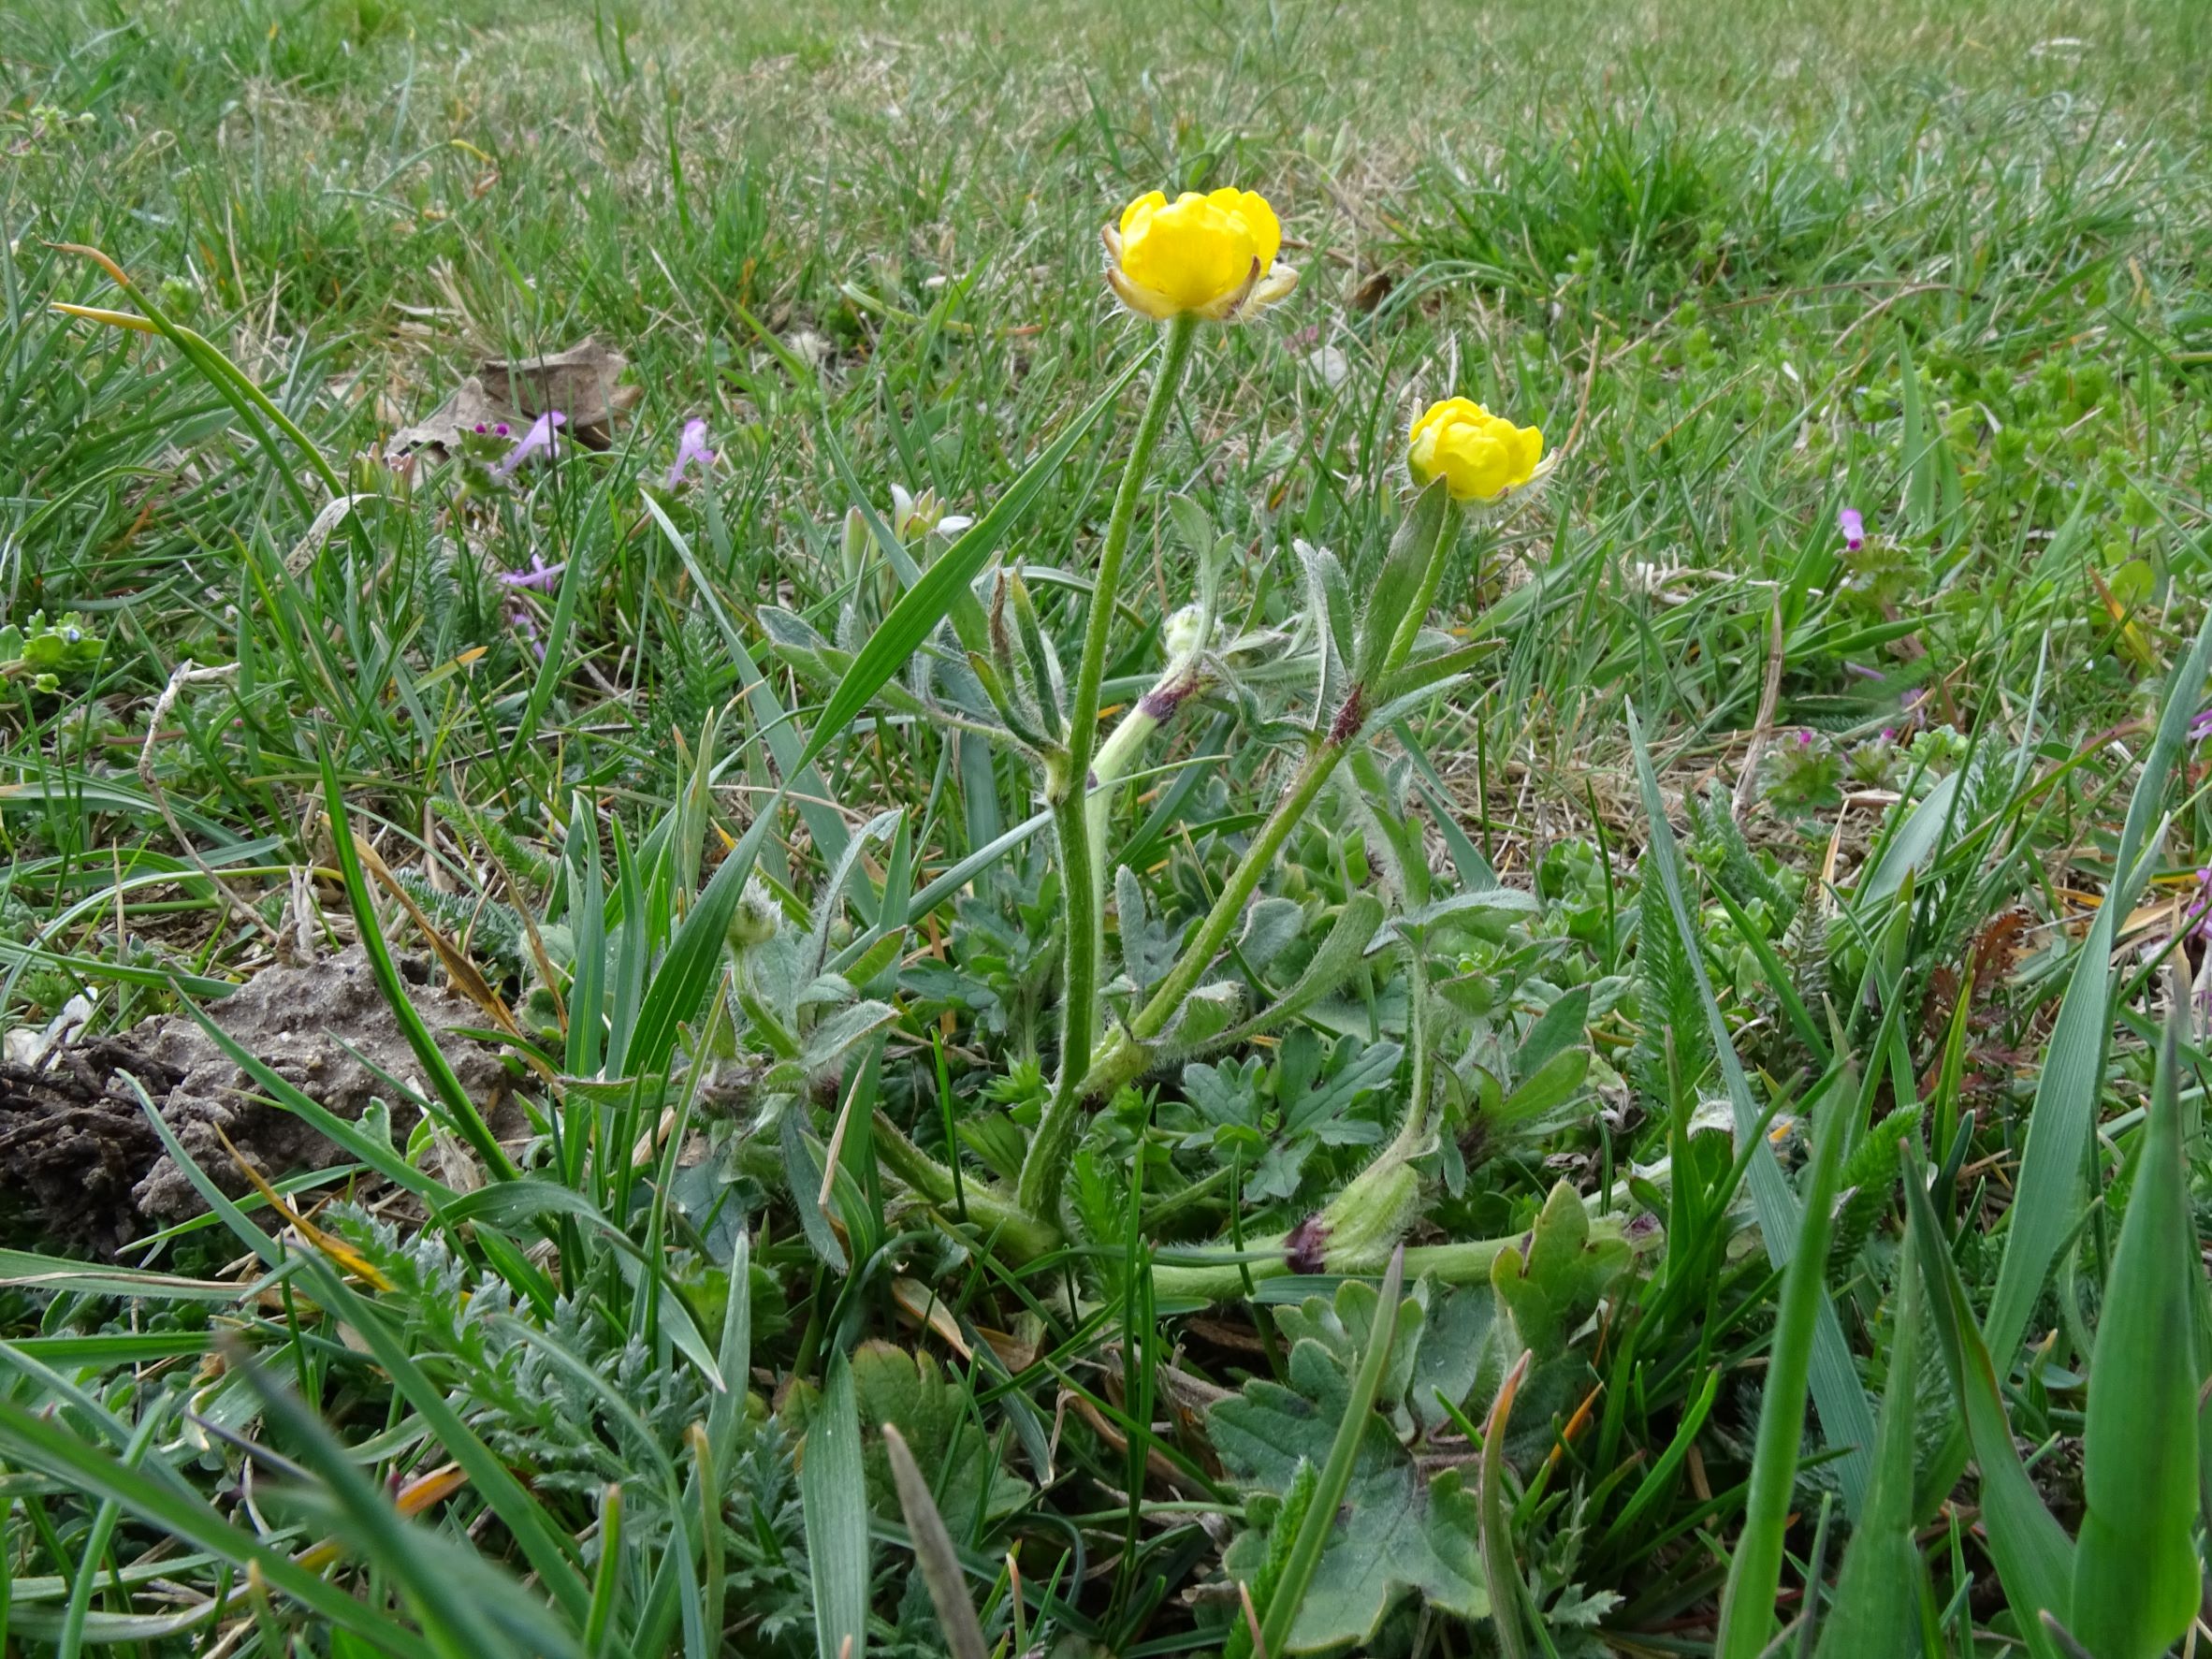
column 1479, row 455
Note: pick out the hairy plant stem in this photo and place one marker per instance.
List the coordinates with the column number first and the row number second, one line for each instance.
column 1128, row 1056
column 1038, row 1191
column 1467, row 1262
column 1229, row 907
column 986, row 1206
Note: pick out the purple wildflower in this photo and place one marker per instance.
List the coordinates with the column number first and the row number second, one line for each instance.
column 519, row 618
column 1854, row 527
column 537, row 441
column 1804, row 737
column 2201, row 728
column 2198, row 918
column 544, row 577
column 690, row 448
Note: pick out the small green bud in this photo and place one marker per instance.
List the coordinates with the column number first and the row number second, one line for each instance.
column 852, row 550
column 1363, row 1223
column 757, row 917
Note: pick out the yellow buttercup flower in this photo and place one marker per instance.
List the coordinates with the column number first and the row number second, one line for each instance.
column 1213, row 255
column 1479, row 455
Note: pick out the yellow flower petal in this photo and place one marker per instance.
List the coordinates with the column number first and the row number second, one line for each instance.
column 1213, row 255
column 1479, row 455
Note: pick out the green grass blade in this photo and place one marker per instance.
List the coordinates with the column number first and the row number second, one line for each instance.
column 2049, row 1199
column 810, row 795
column 587, row 911
column 1336, row 1474
column 30, row 1269
column 466, row 1120
column 835, row 1498
column 1755, row 1571
column 34, row 1441
column 734, row 1358
column 925, row 604
column 74, row 1619
column 2136, row 1581
column 686, row 973
column 606, row 1582
column 2034, row 1558
column 1875, row 1610
column 1837, row 1394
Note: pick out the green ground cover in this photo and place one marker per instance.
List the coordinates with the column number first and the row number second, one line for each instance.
column 1637, row 1070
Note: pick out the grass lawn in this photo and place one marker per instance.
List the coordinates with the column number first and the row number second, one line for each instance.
column 959, row 971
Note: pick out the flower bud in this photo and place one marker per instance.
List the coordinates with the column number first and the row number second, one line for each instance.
column 1184, row 633
column 852, row 548
column 757, row 917
column 1363, row 1223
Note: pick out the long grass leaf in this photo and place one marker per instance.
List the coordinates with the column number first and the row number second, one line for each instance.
column 923, row 606
column 695, row 955
column 2136, row 1580
column 734, row 1358
column 2034, row 1558
column 34, row 1441
column 2049, row 1198
column 1837, row 1394
column 834, row 1497
column 1755, row 1571
column 1875, row 1610
column 467, row 1121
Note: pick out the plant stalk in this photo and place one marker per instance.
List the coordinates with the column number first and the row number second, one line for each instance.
column 1038, row 1191
column 1193, row 1278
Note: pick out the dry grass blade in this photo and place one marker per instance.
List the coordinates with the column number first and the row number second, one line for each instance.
column 1499, row 1567
column 932, row 1549
column 464, row 973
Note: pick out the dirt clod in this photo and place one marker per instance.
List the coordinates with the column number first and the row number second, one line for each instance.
column 77, row 1142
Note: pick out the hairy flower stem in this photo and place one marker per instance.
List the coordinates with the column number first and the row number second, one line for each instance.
column 1038, row 1191
column 1229, row 907
column 1465, row 1263
column 984, row 1205
column 1128, row 1056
